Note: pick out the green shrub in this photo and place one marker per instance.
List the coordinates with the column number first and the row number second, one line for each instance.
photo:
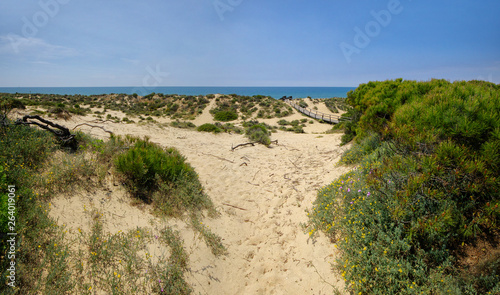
column 225, row 116
column 357, row 152
column 144, row 161
column 178, row 124
column 303, row 104
column 207, row 127
column 283, row 122
column 258, row 133
column 228, row 128
column 427, row 183
column 162, row 177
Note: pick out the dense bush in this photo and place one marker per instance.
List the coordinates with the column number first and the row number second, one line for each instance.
column 427, row 184
column 225, row 116
column 207, row 127
column 258, row 133
column 162, row 177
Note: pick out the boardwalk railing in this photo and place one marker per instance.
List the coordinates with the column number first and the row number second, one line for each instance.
column 330, row 118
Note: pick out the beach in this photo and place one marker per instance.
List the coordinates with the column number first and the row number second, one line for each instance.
column 262, row 194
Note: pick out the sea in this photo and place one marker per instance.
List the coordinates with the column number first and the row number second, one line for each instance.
column 275, row 92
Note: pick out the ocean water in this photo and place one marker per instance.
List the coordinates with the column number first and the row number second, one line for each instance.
column 275, row 92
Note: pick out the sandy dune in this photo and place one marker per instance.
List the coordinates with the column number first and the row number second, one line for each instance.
column 262, row 194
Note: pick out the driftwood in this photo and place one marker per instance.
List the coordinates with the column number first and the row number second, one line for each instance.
column 250, row 143
column 61, row 132
column 242, row 144
column 94, row 126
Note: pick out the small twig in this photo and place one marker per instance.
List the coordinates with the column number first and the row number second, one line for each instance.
column 255, row 175
column 335, row 288
column 234, row 206
column 220, row 158
column 253, row 184
column 244, row 163
column 93, row 126
column 293, row 164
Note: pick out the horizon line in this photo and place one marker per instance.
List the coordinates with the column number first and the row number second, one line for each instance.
column 152, row 87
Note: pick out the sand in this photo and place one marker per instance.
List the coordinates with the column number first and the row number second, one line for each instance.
column 261, row 193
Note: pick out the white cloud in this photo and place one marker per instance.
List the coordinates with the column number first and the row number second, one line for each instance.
column 31, row 48
column 131, row 61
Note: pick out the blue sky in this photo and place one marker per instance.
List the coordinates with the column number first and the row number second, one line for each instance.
column 245, row 42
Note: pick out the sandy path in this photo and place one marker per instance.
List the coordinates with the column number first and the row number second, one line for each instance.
column 268, row 252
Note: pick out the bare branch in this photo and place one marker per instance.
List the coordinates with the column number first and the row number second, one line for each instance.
column 250, row 143
column 234, row 206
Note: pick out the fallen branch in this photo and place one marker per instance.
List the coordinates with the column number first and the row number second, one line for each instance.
column 62, row 133
column 242, row 144
column 94, row 126
column 234, row 206
column 250, row 143
column 220, row 158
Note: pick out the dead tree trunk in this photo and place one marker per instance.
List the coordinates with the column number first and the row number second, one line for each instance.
column 62, row 133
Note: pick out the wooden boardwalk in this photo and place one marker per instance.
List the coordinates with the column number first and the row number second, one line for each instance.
column 330, row 118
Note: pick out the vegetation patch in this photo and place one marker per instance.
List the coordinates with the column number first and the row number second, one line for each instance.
column 225, row 116
column 208, row 127
column 47, row 262
column 425, row 188
column 258, row 133
column 256, row 106
column 335, row 104
column 183, row 125
column 161, row 177
column 295, row 126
